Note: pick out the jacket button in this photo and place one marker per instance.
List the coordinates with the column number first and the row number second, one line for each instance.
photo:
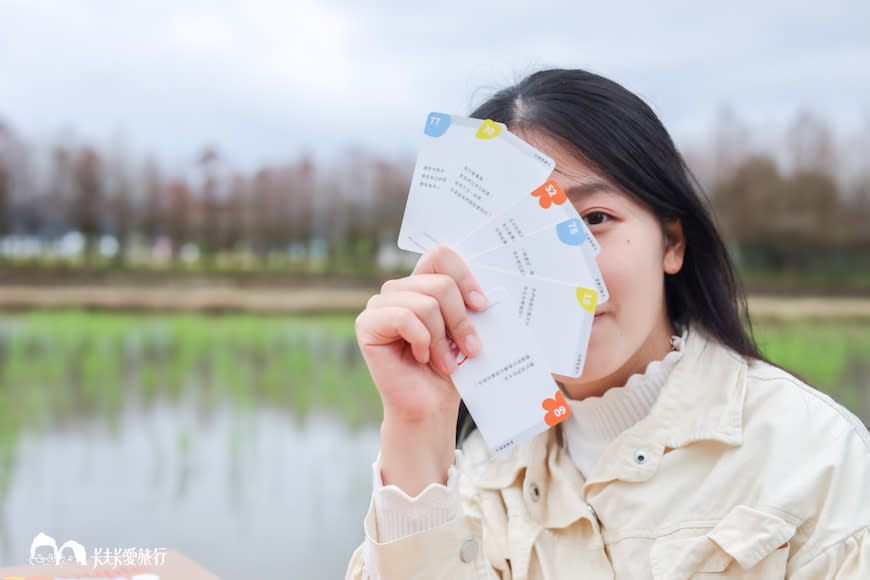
column 641, row 457
column 468, row 551
column 535, row 491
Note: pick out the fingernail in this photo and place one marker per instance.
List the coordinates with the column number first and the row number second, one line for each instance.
column 472, row 345
column 449, row 362
column 477, row 299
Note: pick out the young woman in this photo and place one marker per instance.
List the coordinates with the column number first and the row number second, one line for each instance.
column 687, row 455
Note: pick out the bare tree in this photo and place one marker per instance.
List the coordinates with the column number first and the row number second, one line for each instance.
column 745, row 202
column 179, row 215
column 263, row 219
column 56, row 205
column 857, row 216
column 301, row 194
column 153, row 205
column 5, row 202
column 731, row 144
column 210, row 225
column 20, row 210
column 5, row 180
column 811, row 144
column 88, row 197
column 811, row 210
column 391, row 183
column 120, row 205
column 237, row 213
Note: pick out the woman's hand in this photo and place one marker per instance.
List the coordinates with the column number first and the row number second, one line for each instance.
column 404, row 335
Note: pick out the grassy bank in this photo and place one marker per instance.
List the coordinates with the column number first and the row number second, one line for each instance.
column 204, row 298
column 284, row 272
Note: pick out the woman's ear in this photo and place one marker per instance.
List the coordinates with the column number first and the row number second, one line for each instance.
column 675, row 245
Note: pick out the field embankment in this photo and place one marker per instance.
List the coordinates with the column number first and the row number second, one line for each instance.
column 334, row 298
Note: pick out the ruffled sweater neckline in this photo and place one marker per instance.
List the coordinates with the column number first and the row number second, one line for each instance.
column 596, row 421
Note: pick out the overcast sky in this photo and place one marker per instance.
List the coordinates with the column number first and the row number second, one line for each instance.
column 267, row 80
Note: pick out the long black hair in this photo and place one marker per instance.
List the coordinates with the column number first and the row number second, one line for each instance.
column 616, row 133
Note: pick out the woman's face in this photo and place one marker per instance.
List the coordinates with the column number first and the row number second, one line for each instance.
column 632, row 328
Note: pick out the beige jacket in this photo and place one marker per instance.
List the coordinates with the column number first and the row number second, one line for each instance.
column 739, row 471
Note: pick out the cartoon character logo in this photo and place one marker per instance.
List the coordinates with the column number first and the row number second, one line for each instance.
column 72, row 551
column 44, row 550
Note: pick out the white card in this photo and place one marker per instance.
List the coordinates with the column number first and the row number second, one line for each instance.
column 467, row 171
column 481, row 190
column 545, row 206
column 507, row 388
column 559, row 252
column 559, row 315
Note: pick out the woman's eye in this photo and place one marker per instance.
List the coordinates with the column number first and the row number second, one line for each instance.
column 594, row 218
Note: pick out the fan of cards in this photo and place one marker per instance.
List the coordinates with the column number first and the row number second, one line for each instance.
column 484, row 192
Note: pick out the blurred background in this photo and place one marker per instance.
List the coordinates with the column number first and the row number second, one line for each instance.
column 196, row 198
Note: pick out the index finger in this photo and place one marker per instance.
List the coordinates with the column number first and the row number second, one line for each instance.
column 443, row 260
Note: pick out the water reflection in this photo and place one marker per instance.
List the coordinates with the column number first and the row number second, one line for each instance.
column 247, row 494
column 246, row 444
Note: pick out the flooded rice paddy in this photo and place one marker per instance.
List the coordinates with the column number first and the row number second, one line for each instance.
column 243, row 441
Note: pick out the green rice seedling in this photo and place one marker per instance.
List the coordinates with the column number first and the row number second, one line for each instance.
column 826, row 354
column 58, row 363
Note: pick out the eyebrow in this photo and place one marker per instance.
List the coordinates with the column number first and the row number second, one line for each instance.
column 590, row 186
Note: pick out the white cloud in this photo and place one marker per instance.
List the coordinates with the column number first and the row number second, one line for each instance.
column 265, row 80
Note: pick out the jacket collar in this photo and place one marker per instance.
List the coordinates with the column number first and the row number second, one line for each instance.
column 701, row 400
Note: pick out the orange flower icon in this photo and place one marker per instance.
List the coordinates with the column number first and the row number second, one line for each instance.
column 557, row 409
column 550, row 193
